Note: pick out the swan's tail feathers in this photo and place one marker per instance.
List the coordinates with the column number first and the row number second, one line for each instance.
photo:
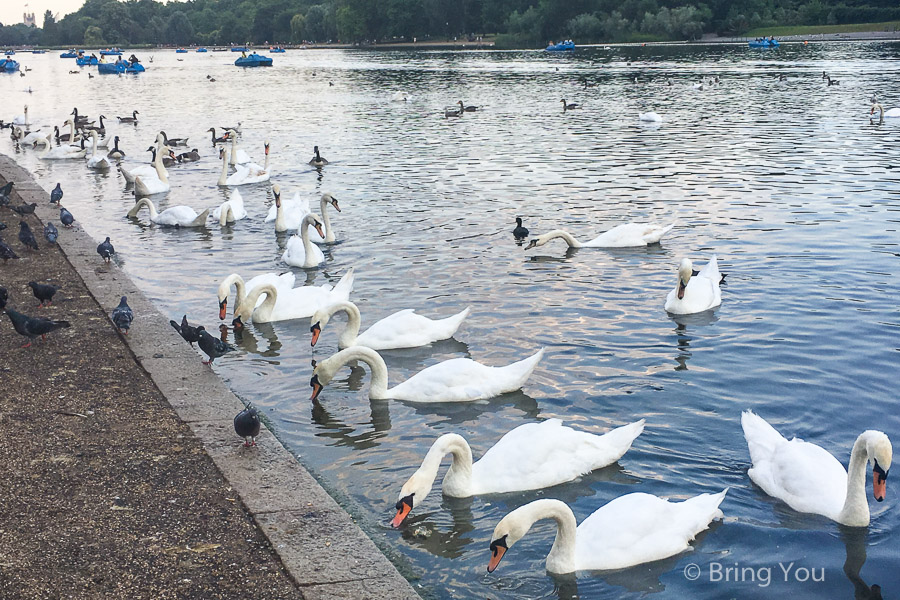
column 526, row 366
column 451, row 324
column 126, row 174
column 621, row 438
column 200, row 221
column 345, row 285
column 762, row 438
column 711, row 270
column 657, row 234
column 707, row 506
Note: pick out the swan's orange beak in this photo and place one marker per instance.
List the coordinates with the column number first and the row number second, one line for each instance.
column 319, row 230
column 334, row 203
column 404, row 506
column 498, row 549
column 681, row 287
column 879, row 482
column 222, row 306
column 316, row 386
column 315, row 330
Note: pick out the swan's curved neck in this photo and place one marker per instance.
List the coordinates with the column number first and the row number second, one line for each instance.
column 158, row 163
column 378, row 389
column 561, row 558
column 856, row 509
column 225, row 212
column 225, row 287
column 458, row 480
column 223, row 178
column 561, row 233
column 280, row 224
column 233, row 159
column 264, row 310
column 140, row 204
column 94, row 147
column 266, row 164
column 354, row 321
column 323, row 205
column 307, row 245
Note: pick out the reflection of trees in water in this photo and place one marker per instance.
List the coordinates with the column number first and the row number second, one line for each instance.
column 855, row 543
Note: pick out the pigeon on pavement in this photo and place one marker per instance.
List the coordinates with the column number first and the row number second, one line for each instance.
column 25, row 209
column 6, row 252
column 51, row 232
column 105, row 250
column 190, row 333
column 31, row 327
column 66, row 217
column 43, row 292
column 56, row 195
column 4, row 193
column 246, row 425
column 26, row 236
column 122, row 315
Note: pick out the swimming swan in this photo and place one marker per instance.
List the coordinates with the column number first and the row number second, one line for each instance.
column 650, row 117
column 250, row 172
column 892, row 113
column 238, row 156
column 296, row 303
column 809, row 479
column 147, row 185
column 97, row 161
column 621, row 236
column 61, row 152
column 177, row 216
column 301, row 252
column 530, row 457
column 231, row 210
column 454, row 380
column 695, row 292
column 630, row 530
column 284, row 281
column 403, row 329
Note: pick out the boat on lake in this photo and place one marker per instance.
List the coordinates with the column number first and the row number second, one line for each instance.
column 276, row 49
column 39, row 52
column 239, row 48
column 181, row 51
column 8, row 65
column 111, row 52
column 566, row 46
column 201, row 50
column 253, row 60
column 69, row 54
column 9, row 52
column 120, row 66
column 763, row 43
column 90, row 61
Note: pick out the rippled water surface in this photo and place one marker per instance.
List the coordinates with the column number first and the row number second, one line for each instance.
column 787, row 183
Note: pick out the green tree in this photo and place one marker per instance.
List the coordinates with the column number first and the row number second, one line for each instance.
column 93, row 37
column 50, row 34
column 298, row 25
column 179, row 29
column 351, row 25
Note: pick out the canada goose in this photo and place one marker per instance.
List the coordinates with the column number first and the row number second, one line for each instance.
column 115, row 153
column 167, row 141
column 191, row 156
column 830, row 80
column 453, row 111
column 467, row 108
column 132, row 119
column 317, row 160
column 98, row 128
column 218, row 140
column 567, row 106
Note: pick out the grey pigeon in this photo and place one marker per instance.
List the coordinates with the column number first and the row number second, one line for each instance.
column 213, row 346
column 188, row 332
column 25, row 209
column 56, row 195
column 2, row 226
column 4, row 193
column 6, row 252
column 43, row 292
column 246, row 425
column 26, row 236
column 105, row 250
column 4, row 297
column 122, row 316
column 51, row 232
column 66, row 217
column 31, row 327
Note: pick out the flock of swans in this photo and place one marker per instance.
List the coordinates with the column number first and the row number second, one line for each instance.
column 633, row 529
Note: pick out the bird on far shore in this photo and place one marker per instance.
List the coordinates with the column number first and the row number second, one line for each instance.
column 31, row 327
column 26, row 236
column 188, row 332
column 520, row 232
column 106, row 250
column 246, row 425
column 56, row 195
column 51, row 232
column 213, row 347
column 122, row 315
column 66, row 217
column 43, row 292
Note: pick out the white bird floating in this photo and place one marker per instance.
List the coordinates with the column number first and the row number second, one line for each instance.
column 96, row 161
column 231, row 210
column 294, row 303
column 403, row 329
column 631, row 530
column 283, row 282
column 176, row 216
column 454, row 380
column 300, row 251
column 809, row 479
column 695, row 292
column 626, row 235
column 530, row 457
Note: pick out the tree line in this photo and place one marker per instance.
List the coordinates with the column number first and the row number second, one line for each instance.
column 517, row 23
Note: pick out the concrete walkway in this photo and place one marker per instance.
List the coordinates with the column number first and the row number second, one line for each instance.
column 123, row 477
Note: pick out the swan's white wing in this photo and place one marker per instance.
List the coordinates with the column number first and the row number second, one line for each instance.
column 538, row 455
column 638, row 528
column 302, row 302
column 294, row 211
column 177, row 215
column 405, row 329
column 621, row 236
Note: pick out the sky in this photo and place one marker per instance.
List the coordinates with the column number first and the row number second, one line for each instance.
column 11, row 10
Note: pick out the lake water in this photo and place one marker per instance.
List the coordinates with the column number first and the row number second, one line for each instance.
column 788, row 183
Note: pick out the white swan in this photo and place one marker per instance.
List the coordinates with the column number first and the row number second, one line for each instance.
column 295, row 303
column 147, row 185
column 61, row 152
column 140, row 170
column 22, row 119
column 31, row 139
column 400, row 96
column 301, row 252
column 631, row 530
column 621, row 236
column 97, row 161
column 250, row 172
column 530, row 457
column 454, row 380
column 695, row 292
column 403, row 329
column 177, row 216
column 283, row 282
column 890, row 113
column 809, row 479
column 650, row 117
column 238, row 156
column 287, row 214
column 231, row 210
